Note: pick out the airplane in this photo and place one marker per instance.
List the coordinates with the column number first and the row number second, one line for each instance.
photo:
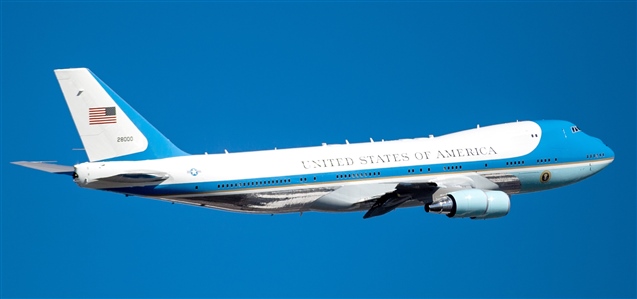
column 467, row 174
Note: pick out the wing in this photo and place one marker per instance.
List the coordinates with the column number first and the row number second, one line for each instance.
column 423, row 191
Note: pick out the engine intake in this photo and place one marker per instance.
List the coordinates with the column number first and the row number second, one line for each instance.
column 472, row 203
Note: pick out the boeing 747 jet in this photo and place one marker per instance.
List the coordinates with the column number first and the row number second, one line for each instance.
column 467, row 174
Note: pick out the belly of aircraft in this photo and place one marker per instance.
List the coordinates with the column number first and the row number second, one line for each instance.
column 270, row 202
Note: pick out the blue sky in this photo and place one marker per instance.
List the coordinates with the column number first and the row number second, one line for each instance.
column 250, row 76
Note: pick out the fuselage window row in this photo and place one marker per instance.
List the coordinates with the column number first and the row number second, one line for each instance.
column 547, row 160
column 253, row 183
column 455, row 167
column 420, row 170
column 357, row 175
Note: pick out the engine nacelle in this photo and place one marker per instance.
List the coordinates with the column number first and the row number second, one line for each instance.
column 472, row 203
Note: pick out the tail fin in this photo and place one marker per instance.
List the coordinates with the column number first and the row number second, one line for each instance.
column 110, row 129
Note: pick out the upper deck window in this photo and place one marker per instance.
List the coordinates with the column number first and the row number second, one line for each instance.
column 575, row 129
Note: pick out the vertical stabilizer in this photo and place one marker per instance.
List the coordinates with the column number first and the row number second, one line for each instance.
column 110, row 129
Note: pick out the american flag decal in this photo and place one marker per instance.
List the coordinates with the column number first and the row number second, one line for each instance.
column 101, row 116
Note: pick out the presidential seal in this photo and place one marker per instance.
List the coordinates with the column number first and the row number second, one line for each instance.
column 545, row 176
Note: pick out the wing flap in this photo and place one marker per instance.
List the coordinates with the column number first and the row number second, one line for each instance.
column 403, row 192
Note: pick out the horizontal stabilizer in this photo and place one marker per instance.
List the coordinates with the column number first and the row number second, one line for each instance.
column 136, row 178
column 47, row 167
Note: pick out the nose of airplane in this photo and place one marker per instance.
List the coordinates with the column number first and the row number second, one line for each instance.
column 608, row 156
column 609, row 153
column 604, row 157
column 604, row 151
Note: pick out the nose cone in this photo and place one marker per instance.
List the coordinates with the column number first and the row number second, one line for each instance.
column 607, row 158
column 611, row 153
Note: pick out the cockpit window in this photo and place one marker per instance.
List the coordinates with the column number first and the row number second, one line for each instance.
column 575, row 129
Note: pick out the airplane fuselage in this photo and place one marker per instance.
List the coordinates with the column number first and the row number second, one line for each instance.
column 515, row 157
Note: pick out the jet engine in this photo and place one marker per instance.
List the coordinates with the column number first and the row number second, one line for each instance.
column 472, row 203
